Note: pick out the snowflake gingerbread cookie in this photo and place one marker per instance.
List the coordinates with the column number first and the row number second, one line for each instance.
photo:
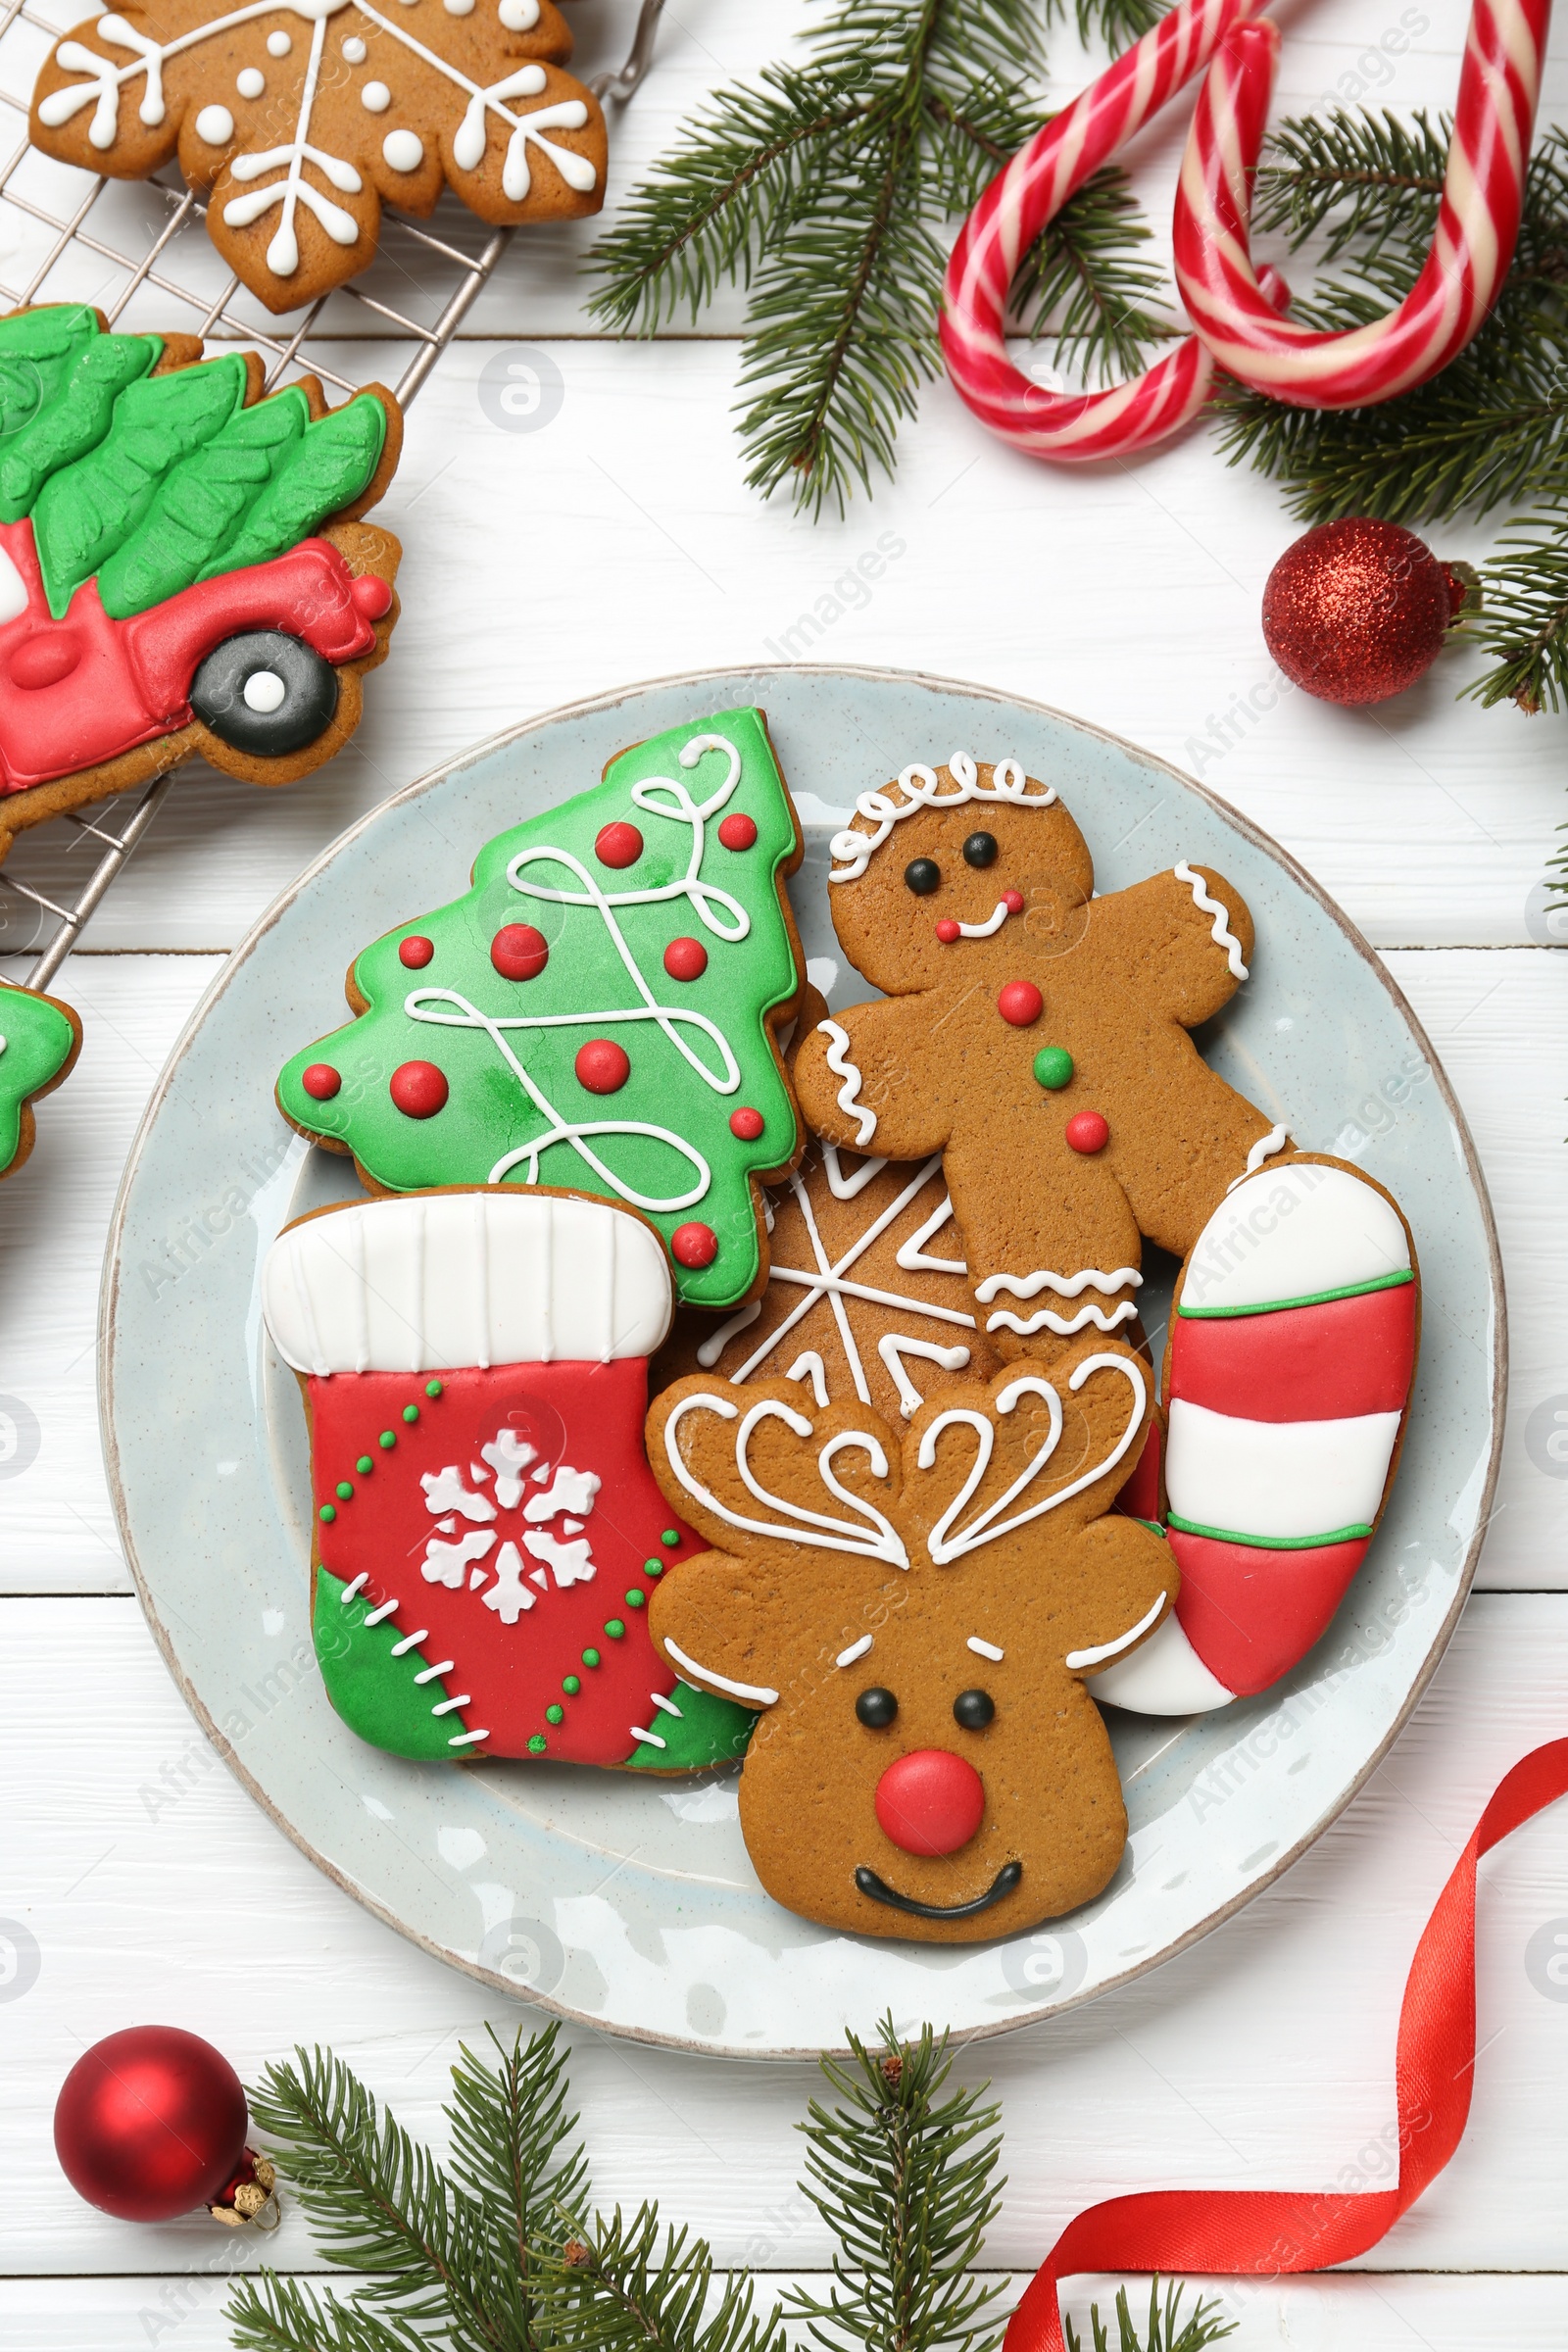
column 1038, row 1036
column 182, row 567
column 39, row 1041
column 912, row 1610
column 600, row 1010
column 487, row 1536
column 298, row 119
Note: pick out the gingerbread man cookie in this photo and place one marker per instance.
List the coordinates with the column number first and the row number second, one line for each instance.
column 1037, row 1036
column 299, row 120
column 912, row 1611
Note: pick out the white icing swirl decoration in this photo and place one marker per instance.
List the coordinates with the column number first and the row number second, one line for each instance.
column 1207, row 904
column 849, row 1093
column 919, row 787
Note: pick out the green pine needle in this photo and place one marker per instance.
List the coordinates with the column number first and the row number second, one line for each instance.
column 622, row 2286
column 828, row 193
column 1205, row 2326
column 904, row 2178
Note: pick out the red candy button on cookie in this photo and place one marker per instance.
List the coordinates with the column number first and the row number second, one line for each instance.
column 518, row 952
column 948, row 931
column 694, row 1246
column 320, row 1081
column 930, row 1802
column 737, row 832
column 746, row 1124
column 602, row 1066
column 419, row 1089
column 685, row 959
column 416, row 953
column 618, row 844
column 1012, row 900
column 1021, row 1004
column 1087, row 1132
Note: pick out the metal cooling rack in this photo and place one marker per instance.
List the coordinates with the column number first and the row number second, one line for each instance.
column 130, row 246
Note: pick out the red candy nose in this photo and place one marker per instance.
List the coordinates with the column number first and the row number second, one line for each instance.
column 930, row 1802
column 372, row 595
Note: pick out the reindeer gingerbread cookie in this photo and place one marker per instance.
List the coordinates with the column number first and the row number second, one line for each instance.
column 1038, row 1036
column 912, row 1611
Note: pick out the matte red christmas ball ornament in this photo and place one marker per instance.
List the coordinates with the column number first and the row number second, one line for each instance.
column 1358, row 610
column 151, row 2123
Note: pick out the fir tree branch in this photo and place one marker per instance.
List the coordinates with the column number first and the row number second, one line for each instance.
column 512, row 2155
column 1205, row 2326
column 1116, row 22
column 617, row 2286
column 905, row 2180
column 1081, row 283
column 1525, row 626
column 268, row 2313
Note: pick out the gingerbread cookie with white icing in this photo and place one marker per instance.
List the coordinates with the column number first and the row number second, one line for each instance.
column 298, row 119
column 916, row 1612
column 183, row 564
column 1037, row 1037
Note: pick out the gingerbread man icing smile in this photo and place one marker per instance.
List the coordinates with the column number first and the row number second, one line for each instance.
column 1037, row 1036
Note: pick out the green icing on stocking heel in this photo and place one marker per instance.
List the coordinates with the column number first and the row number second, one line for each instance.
column 373, row 1691
column 706, row 1730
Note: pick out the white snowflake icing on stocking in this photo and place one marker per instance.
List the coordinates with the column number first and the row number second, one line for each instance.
column 569, row 1491
column 509, row 1597
column 447, row 1563
column 509, row 1456
column 444, row 1491
column 572, row 1563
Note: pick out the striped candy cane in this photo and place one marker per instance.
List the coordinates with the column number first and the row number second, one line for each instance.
column 1026, row 194
column 1477, row 223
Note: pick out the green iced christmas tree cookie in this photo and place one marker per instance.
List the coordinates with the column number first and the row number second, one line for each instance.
column 598, row 1014
column 39, row 1040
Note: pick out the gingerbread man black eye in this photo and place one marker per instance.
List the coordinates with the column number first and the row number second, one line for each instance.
column 876, row 1708
column 923, row 875
column 980, row 849
column 972, row 1710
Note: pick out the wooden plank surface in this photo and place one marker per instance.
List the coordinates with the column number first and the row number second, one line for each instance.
column 620, row 542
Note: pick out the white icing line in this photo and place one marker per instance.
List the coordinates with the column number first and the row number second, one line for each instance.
column 1045, row 1320
column 721, row 1682
column 914, row 1258
column 650, row 1738
column 809, row 1365
column 466, row 1739
column 848, row 1102
column 447, row 1704
column 988, row 1650
column 666, row 1706
column 981, row 1530
column 388, row 1608
column 1221, row 934
column 918, row 784
column 433, row 1674
column 1077, row 1659
column 990, row 926
column 1264, row 1149
column 409, row 1642
column 348, row 1590
column 841, row 1187
column 895, row 1345
column 856, row 1650
column 837, row 1533
column 1066, row 1286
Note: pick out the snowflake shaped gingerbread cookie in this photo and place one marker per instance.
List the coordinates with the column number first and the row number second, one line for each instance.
column 300, row 119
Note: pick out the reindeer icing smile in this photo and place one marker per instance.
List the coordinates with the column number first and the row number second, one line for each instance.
column 847, row 1561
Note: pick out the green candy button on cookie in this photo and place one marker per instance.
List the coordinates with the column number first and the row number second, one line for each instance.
column 1053, row 1067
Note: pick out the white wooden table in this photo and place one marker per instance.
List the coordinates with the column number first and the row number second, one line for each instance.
column 616, row 544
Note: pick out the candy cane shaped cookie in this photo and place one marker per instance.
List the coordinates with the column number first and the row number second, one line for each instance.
column 1477, row 223
column 1030, row 191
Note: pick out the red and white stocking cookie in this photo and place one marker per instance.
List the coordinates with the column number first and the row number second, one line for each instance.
column 487, row 1535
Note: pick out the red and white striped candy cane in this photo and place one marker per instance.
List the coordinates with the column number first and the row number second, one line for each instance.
column 1026, row 194
column 1477, row 223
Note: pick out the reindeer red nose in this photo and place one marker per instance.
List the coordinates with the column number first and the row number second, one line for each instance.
column 930, row 1802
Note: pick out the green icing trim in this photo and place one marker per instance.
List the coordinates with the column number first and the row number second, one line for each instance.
column 373, row 1691
column 88, row 511
column 1279, row 1307
column 1227, row 1534
column 490, row 1117
column 708, row 1731
column 327, row 469
column 39, row 1041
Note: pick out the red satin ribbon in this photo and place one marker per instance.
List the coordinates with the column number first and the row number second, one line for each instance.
column 1269, row 2232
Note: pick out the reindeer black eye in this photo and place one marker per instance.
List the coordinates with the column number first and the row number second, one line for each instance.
column 973, row 1709
column 980, row 849
column 923, row 875
column 876, row 1708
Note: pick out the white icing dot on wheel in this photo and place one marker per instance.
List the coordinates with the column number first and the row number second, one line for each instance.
column 278, row 45
column 251, row 82
column 265, row 691
column 404, row 150
column 519, row 15
column 215, row 125
column 375, row 97
column 354, row 50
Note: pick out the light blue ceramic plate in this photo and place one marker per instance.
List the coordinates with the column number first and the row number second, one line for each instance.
column 629, row 1903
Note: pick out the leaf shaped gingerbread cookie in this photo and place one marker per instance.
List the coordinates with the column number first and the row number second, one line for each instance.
column 912, row 1611
column 299, row 120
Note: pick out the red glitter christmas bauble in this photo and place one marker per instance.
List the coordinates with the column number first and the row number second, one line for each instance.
column 150, row 2124
column 1358, row 610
